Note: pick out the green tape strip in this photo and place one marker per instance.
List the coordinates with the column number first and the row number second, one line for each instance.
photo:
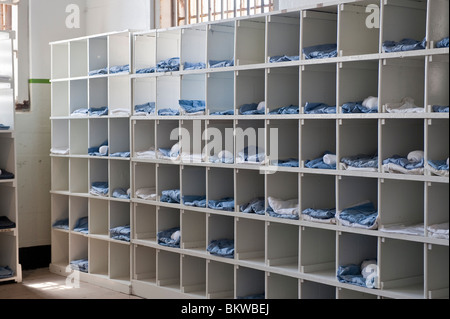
column 40, row 81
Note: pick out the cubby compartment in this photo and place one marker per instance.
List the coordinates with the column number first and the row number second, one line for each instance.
column 219, row 141
column 318, row 84
column 250, row 283
column 144, row 139
column 220, row 229
column 119, row 136
column 220, row 43
column 437, row 81
column 98, row 218
column 60, row 211
column 119, row 96
column 98, row 133
column 168, row 94
column 119, row 262
column 318, row 198
column 192, row 39
column 79, row 250
column 168, row 44
column 250, row 90
column 402, row 78
column 78, row 176
column 193, row 227
column 191, row 141
column 358, row 138
column 250, row 191
column 250, row 41
column 437, row 145
column 283, row 189
column 282, row 246
column 60, row 176
column 319, row 27
column 193, row 186
column 119, row 216
column 168, row 178
column 280, row 27
column 7, row 155
column 437, row 207
column 144, row 264
column 168, row 269
column 60, row 60
column 401, row 268
column 99, row 173
column 353, row 250
column 220, row 93
column 413, row 16
column 144, row 181
column 220, row 278
column 144, row 51
column 250, row 241
column 436, row 272
column 60, row 100
column 167, row 218
column 98, row 93
column 8, row 203
column 193, row 88
column 359, row 28
column 402, row 207
column 79, row 212
column 78, row 58
column 358, row 81
column 220, row 188
column 315, row 290
column 60, row 248
column 119, row 51
column 78, row 98
column 282, row 88
column 437, row 26
column 79, row 136
column 281, row 287
column 318, row 138
column 60, row 137
column 144, row 96
column 98, row 54
column 343, row 293
column 193, row 276
column 318, row 252
column 98, row 257
column 250, row 142
column 145, row 228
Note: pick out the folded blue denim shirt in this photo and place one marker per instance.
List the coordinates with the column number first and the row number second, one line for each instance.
column 168, row 65
column 221, row 248
column 168, row 237
column 119, row 69
column 272, row 213
column 357, row 107
column 95, row 150
column 225, row 112
column 442, row 43
column 320, row 51
column 99, row 188
column 121, row 193
column 364, row 215
column 404, row 45
column 171, row 196
column 148, row 108
column 404, row 162
column 291, row 162
column 220, row 63
column 98, row 111
column 80, row 264
column 255, row 206
column 195, row 201
column 440, row 108
column 121, row 233
column 61, row 224
column 320, row 213
column 351, row 274
column 440, row 165
column 146, row 70
column 5, row 223
column 283, row 58
column 319, row 108
column 361, row 161
column 250, row 109
column 193, row 106
column 194, row 66
column 6, row 272
column 225, row 204
column 4, row 174
column 168, row 112
column 98, row 72
column 291, row 109
column 319, row 163
column 4, row 127
column 81, row 226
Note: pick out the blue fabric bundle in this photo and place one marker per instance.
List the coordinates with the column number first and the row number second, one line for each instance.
column 171, row 196
column 404, row 45
column 82, row 225
column 255, row 206
column 222, row 248
column 225, row 204
column 121, row 233
column 320, row 51
column 165, row 238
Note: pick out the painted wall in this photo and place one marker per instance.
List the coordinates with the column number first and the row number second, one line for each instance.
column 291, row 4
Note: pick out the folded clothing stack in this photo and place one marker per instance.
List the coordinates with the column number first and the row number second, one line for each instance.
column 170, row 237
column 80, row 264
column 364, row 275
column 221, row 248
column 6, row 223
column 121, row 233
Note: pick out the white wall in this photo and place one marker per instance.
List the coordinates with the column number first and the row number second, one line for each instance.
column 291, row 4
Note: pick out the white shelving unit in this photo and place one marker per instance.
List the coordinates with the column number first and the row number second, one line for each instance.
column 9, row 236
column 273, row 257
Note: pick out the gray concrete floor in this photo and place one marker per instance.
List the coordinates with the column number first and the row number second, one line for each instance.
column 42, row 284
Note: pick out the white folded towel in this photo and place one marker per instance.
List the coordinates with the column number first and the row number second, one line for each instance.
column 405, row 106
column 175, row 150
column 371, row 102
column 329, row 159
column 261, row 106
column 176, row 235
column 416, row 156
column 284, row 207
column 148, row 193
column 59, row 151
column 367, row 267
column 103, row 150
column 151, row 153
